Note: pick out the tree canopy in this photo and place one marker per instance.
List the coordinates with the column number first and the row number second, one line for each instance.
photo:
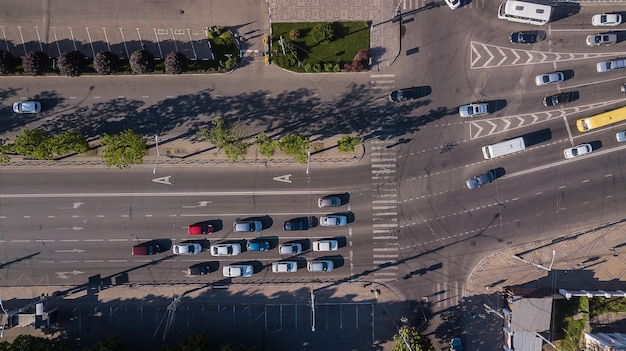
column 124, row 149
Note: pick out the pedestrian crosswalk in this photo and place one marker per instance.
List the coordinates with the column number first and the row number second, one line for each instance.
column 384, row 206
column 408, row 5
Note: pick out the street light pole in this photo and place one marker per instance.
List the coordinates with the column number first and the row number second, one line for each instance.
column 308, row 161
column 156, row 140
column 313, row 310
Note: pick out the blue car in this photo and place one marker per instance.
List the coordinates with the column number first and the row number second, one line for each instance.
column 456, row 345
column 301, row 223
column 258, row 245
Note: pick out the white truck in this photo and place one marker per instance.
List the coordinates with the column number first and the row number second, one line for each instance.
column 504, row 148
column 606, row 66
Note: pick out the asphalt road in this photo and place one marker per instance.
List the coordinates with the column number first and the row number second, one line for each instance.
column 442, row 229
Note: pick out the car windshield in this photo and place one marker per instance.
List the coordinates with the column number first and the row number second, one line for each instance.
column 399, row 94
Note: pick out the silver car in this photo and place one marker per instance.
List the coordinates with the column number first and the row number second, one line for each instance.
column 621, row 136
column 320, row 266
column 328, row 201
column 231, row 249
column 474, row 110
column 26, row 107
column 333, row 221
column 601, row 39
column 284, row 267
column 290, row 249
column 325, row 245
column 186, row 249
column 549, row 78
column 241, row 225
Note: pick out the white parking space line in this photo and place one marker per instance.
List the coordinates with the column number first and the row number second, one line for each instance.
column 124, row 41
column 106, row 39
column 38, row 39
column 4, row 37
column 156, row 37
column 19, row 28
column 139, row 35
column 73, row 40
column 192, row 47
column 93, row 52
column 56, row 40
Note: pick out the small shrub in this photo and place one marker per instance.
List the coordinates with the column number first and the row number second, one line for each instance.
column 35, row 63
column 230, row 63
column 307, row 67
column 328, row 67
column 7, row 62
column 322, row 33
column 294, row 34
column 266, row 145
column 317, row 67
column 71, row 63
column 347, row 143
column 336, row 68
column 141, row 62
column 175, row 63
column 106, row 63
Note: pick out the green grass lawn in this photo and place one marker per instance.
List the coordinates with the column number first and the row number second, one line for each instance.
column 349, row 37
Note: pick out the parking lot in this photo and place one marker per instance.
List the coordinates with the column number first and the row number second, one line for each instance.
column 19, row 40
column 272, row 326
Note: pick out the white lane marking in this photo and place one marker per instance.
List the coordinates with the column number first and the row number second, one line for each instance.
column 174, row 194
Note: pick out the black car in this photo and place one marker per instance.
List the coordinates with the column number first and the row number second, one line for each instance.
column 199, row 269
column 523, row 37
column 301, row 223
column 409, row 93
column 561, row 98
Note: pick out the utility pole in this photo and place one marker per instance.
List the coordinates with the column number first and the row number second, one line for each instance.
column 313, row 310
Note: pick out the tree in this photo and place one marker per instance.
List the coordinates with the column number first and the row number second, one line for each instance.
column 322, row 32
column 33, row 143
column 347, row 143
column 106, row 63
column 71, row 63
column 70, row 140
column 195, row 342
column 286, row 58
column 7, row 62
column 175, row 63
column 123, row 149
column 295, row 145
column 141, row 62
column 237, row 347
column 113, row 343
column 35, row 63
column 4, row 158
column 411, row 336
column 227, row 137
column 32, row 343
column 266, row 144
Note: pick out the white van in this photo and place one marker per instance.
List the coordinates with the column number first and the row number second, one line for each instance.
column 504, row 148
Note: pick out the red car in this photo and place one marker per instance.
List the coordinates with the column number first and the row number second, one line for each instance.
column 199, row 229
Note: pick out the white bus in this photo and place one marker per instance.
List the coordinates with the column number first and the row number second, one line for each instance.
column 504, row 148
column 525, row 12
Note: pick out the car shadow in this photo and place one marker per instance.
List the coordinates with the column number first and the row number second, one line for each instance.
column 338, row 260
column 496, row 105
column 165, row 244
column 595, row 145
column 272, row 240
column 498, row 172
column 567, row 74
column 537, row 137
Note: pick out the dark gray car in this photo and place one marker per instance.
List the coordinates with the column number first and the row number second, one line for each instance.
column 481, row 180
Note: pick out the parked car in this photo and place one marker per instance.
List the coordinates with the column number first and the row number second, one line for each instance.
column 333, row 221
column 300, row 223
column 621, row 136
column 238, row 270
column 242, row 225
column 258, row 245
column 549, row 78
column 325, row 245
column 606, row 19
column 329, row 201
column 27, row 107
column 186, row 249
column 601, row 39
column 199, row 229
column 145, row 249
column 230, row 249
column 480, row 180
column 474, row 110
column 199, row 269
column 577, row 150
column 409, row 93
column 290, row 249
column 606, row 66
column 453, row 4
column 320, row 266
column 557, row 99
column 523, row 37
column 456, row 345
column 284, row 267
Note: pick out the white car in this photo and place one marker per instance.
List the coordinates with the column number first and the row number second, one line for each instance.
column 290, row 249
column 577, row 150
column 474, row 110
column 238, row 270
column 601, row 39
column 621, row 136
column 333, row 221
column 606, row 19
column 320, row 265
column 453, row 4
column 231, row 249
column 26, row 107
column 186, row 249
column 325, row 245
column 284, row 267
column 549, row 78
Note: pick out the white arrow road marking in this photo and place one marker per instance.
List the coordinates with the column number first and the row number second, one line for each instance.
column 163, row 180
column 200, row 204
column 475, row 52
column 75, row 205
column 480, row 129
column 284, row 178
column 494, row 126
column 72, row 250
column 65, row 275
column 73, row 228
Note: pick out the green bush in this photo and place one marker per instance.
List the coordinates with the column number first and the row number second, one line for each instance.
column 347, row 143
column 295, row 145
column 266, row 145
